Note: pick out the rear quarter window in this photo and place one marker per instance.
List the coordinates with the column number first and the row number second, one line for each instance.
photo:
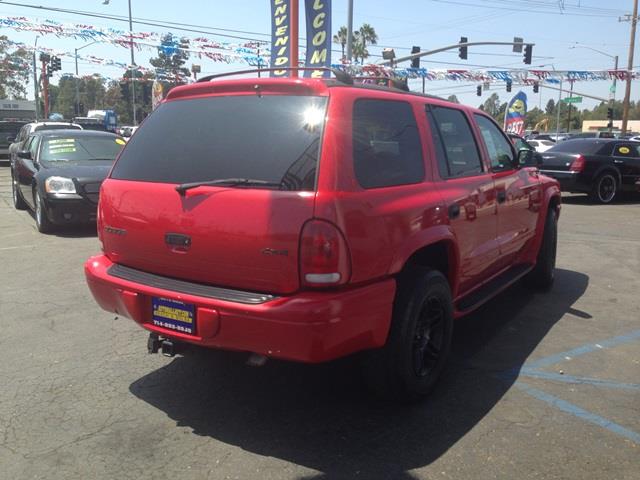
column 386, row 144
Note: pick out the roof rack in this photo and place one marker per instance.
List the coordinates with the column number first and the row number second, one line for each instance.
column 399, row 83
column 341, row 76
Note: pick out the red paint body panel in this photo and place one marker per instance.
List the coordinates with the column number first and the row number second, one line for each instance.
column 382, row 227
column 306, row 327
column 229, row 228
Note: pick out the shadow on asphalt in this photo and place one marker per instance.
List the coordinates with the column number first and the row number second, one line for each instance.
column 321, row 417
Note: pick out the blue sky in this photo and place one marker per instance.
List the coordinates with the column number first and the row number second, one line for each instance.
column 401, row 24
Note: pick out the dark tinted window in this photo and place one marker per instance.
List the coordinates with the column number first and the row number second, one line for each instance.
column 386, row 144
column 273, row 138
column 8, row 131
column 627, row 150
column 80, row 149
column 460, row 148
column 499, row 148
column 578, row 146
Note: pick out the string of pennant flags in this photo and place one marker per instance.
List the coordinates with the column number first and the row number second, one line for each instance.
column 256, row 54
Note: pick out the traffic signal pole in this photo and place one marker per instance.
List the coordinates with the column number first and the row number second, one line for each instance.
column 45, row 89
column 395, row 61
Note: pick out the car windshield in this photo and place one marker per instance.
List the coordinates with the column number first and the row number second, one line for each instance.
column 577, row 146
column 80, row 149
column 269, row 138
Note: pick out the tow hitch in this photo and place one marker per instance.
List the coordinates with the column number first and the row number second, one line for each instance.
column 155, row 343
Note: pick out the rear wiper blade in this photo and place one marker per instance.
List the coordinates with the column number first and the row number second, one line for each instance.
column 229, row 182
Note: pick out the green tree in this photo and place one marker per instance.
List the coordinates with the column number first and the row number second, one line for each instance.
column 341, row 38
column 492, row 105
column 172, row 56
column 367, row 35
column 453, row 98
column 550, row 109
column 14, row 70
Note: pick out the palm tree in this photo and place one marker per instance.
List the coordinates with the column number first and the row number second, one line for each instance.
column 368, row 35
column 341, row 38
column 359, row 48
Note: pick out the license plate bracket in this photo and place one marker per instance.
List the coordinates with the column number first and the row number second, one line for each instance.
column 173, row 315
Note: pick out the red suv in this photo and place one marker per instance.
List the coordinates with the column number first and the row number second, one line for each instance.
column 308, row 219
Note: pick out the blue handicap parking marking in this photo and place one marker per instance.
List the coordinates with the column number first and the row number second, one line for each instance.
column 534, row 370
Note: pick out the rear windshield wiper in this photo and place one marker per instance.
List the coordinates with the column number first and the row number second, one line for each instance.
column 229, row 182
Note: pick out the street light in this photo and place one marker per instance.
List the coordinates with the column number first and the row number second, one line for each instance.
column 612, row 91
column 78, row 79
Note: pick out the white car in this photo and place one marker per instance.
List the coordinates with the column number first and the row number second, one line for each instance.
column 541, row 145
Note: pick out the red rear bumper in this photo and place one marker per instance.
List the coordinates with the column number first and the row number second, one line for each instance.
column 306, row 327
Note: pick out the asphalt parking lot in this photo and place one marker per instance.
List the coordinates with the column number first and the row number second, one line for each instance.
column 540, row 386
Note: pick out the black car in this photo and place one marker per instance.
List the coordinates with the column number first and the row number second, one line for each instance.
column 600, row 167
column 8, row 132
column 58, row 175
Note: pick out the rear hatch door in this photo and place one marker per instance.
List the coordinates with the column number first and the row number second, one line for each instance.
column 240, row 235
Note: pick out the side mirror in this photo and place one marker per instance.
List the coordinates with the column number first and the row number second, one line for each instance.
column 26, row 154
column 529, row 158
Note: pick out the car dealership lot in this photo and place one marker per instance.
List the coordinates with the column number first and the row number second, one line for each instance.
column 539, row 385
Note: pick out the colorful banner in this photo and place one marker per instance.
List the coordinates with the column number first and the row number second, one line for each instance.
column 281, row 36
column 516, row 114
column 318, row 13
column 157, row 94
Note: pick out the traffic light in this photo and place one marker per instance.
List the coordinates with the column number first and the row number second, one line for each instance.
column 462, row 51
column 479, row 90
column 415, row 62
column 49, row 71
column 508, row 85
column 56, row 64
column 44, row 57
column 609, row 113
column 528, row 51
column 536, row 87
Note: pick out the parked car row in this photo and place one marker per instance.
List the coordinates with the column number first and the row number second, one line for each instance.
column 57, row 173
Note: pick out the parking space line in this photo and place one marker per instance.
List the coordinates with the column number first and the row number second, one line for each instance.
column 17, row 247
column 528, row 372
column 580, row 413
column 588, row 348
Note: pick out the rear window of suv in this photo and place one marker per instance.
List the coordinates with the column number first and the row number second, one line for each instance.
column 272, row 138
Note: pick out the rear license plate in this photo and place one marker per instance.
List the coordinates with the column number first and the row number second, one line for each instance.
column 174, row 315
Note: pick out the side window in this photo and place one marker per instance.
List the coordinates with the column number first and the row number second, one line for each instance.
column 386, row 144
column 33, row 147
column 627, row 150
column 499, row 148
column 456, row 148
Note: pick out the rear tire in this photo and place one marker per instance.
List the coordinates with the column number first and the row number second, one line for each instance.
column 43, row 223
column 605, row 188
column 543, row 274
column 18, row 201
column 419, row 341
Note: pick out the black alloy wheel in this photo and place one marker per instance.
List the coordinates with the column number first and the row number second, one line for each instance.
column 605, row 188
column 429, row 337
column 18, row 201
column 407, row 368
column 43, row 223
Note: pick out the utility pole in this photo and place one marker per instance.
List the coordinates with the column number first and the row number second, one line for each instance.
column 569, row 113
column 559, row 106
column 350, row 32
column 45, row 89
column 35, row 78
column 133, row 69
column 612, row 92
column 627, row 93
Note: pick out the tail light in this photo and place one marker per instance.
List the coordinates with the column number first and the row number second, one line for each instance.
column 324, row 255
column 577, row 165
